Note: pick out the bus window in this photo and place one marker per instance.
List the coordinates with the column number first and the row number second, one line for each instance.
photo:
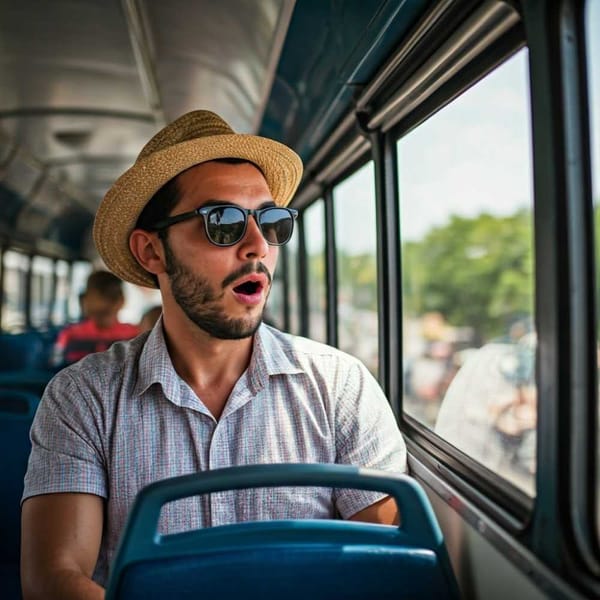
column 79, row 274
column 592, row 19
column 273, row 314
column 355, row 235
column 42, row 283
column 293, row 293
column 16, row 265
column 314, row 220
column 465, row 179
column 59, row 311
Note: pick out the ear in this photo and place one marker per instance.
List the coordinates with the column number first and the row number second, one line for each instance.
column 148, row 251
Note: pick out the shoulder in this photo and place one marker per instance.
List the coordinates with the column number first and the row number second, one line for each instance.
column 309, row 355
column 102, row 370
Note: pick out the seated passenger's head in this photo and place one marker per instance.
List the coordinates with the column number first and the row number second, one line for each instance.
column 103, row 299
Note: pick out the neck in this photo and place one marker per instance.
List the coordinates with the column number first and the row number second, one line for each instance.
column 210, row 366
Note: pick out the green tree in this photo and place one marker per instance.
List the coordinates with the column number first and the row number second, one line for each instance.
column 477, row 272
column 357, row 274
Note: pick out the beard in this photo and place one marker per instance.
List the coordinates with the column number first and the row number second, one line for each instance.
column 201, row 303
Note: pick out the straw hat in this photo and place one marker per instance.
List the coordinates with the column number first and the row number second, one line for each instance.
column 194, row 138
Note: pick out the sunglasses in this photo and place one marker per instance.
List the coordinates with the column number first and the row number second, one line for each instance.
column 226, row 224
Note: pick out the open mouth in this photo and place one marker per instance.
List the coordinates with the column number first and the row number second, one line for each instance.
column 248, row 288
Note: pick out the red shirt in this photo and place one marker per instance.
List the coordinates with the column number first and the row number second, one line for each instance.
column 78, row 340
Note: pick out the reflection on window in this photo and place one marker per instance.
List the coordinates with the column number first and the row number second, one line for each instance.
column 292, row 281
column 355, row 236
column 592, row 21
column 468, row 274
column 16, row 266
column 314, row 222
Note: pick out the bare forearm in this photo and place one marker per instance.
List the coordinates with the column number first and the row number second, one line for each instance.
column 60, row 543
column 64, row 585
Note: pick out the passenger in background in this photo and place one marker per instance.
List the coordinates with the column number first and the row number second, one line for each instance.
column 100, row 303
column 201, row 216
column 149, row 318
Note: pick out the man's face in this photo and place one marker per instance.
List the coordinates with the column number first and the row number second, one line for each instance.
column 223, row 290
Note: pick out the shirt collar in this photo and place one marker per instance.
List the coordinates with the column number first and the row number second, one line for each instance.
column 272, row 354
column 155, row 366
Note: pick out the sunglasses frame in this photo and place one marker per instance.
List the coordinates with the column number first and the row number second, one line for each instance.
column 204, row 212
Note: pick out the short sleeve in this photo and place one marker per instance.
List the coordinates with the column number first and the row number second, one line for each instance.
column 66, row 453
column 367, row 435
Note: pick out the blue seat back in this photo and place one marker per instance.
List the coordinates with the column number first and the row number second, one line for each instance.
column 17, row 409
column 27, row 380
column 23, row 351
column 293, row 559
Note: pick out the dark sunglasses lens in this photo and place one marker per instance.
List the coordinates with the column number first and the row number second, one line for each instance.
column 276, row 225
column 225, row 225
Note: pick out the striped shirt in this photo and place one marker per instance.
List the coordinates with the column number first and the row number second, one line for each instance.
column 121, row 419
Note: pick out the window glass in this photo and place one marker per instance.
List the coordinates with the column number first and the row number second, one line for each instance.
column 355, row 236
column 465, row 179
column 61, row 298
column 314, row 223
column 16, row 266
column 293, row 293
column 138, row 300
column 79, row 274
column 273, row 313
column 592, row 20
column 42, row 283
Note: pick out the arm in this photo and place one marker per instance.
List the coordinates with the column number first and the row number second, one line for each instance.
column 384, row 512
column 367, row 435
column 60, row 541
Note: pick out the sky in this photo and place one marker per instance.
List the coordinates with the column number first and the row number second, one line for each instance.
column 472, row 156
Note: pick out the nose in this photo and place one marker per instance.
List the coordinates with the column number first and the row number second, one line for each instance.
column 253, row 244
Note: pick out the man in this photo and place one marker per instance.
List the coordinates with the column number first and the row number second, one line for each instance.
column 101, row 302
column 200, row 215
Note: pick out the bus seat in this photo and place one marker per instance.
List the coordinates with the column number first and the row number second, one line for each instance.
column 23, row 351
column 33, row 381
column 17, row 409
column 292, row 559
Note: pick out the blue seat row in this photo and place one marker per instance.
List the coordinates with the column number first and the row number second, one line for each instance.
column 30, row 350
column 17, row 409
column 33, row 381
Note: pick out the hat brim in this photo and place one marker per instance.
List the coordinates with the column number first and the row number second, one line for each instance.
column 123, row 203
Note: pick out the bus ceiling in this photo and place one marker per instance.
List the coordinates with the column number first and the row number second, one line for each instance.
column 86, row 84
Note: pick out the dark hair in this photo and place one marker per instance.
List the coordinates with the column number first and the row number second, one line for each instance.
column 106, row 284
column 158, row 208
